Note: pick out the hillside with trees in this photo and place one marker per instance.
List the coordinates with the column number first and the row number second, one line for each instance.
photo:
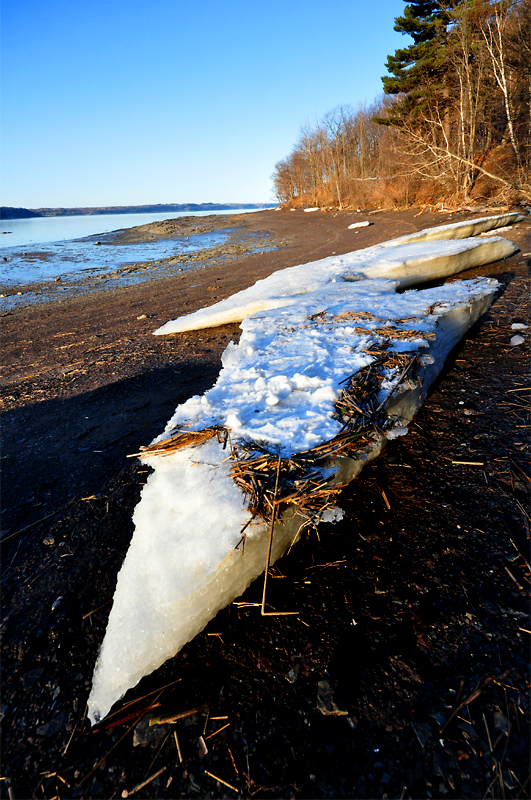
column 6, row 212
column 453, row 125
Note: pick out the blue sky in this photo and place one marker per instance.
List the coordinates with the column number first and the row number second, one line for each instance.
column 107, row 102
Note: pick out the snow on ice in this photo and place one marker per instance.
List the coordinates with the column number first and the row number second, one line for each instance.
column 407, row 260
column 278, row 388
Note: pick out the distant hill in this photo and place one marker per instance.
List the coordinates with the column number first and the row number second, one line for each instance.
column 17, row 213
column 21, row 213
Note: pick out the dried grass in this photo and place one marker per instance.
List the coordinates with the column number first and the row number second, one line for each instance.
column 270, row 482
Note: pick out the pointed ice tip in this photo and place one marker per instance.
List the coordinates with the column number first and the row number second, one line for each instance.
column 94, row 717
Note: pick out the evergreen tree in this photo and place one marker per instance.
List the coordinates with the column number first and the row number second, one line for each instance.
column 417, row 72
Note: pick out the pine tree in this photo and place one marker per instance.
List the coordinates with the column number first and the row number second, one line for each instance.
column 417, row 72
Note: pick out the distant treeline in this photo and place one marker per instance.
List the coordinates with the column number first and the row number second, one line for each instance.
column 453, row 124
column 23, row 213
column 6, row 212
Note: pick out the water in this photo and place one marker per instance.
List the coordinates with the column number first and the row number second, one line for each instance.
column 43, row 260
column 81, row 257
column 37, row 230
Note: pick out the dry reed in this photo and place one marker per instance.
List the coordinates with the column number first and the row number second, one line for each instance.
column 271, row 482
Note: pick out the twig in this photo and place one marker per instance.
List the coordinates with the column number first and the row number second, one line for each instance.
column 270, row 544
column 520, row 470
column 98, row 728
column 96, row 609
column 133, row 715
column 115, row 745
column 178, row 746
column 82, row 717
column 514, row 579
column 220, row 780
column 125, row 793
column 175, row 717
column 477, row 691
column 218, row 731
column 43, row 519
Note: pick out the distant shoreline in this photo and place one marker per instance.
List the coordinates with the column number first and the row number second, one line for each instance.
column 8, row 212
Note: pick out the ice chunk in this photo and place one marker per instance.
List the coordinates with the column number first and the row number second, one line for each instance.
column 187, row 523
column 184, row 563
column 409, row 263
column 458, row 230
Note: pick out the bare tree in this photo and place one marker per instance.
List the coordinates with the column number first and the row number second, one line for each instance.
column 493, row 31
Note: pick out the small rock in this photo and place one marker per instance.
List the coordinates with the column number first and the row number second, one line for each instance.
column 56, row 604
column 55, row 725
column 515, row 340
column 48, row 540
column 31, row 677
column 326, row 703
column 144, row 734
column 95, row 787
column 516, row 326
column 142, row 316
column 422, row 731
column 293, row 674
column 500, row 722
column 97, row 242
column 359, row 225
column 466, row 727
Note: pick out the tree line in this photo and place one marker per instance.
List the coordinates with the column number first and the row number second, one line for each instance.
column 453, row 123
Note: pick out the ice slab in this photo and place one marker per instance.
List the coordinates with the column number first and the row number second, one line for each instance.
column 409, row 261
column 278, row 386
column 459, row 230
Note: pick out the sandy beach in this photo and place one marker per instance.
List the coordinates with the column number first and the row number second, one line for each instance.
column 436, row 584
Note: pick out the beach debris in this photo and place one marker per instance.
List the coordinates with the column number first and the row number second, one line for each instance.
column 309, row 395
column 359, row 225
column 293, row 674
column 56, row 604
column 516, row 340
column 326, row 702
column 519, row 326
column 145, row 733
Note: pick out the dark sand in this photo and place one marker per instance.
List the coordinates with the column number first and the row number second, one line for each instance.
column 436, row 582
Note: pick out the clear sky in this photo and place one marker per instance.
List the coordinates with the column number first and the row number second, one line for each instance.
column 107, row 102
